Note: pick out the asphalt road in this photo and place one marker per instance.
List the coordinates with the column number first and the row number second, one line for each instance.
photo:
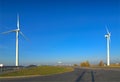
column 78, row 75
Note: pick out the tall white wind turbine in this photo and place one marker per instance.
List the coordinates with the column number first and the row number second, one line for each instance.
column 108, row 46
column 17, row 38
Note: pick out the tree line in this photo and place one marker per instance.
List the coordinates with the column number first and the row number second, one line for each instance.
column 101, row 63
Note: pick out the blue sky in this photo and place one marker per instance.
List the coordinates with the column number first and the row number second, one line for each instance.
column 70, row 31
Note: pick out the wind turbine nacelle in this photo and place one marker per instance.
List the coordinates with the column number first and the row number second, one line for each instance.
column 106, row 36
column 109, row 34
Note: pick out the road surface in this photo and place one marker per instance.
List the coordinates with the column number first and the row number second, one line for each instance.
column 78, row 75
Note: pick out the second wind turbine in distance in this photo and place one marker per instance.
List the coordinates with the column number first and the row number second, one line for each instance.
column 17, row 38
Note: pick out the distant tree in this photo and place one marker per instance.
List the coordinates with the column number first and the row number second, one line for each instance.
column 75, row 65
column 82, row 64
column 101, row 63
column 30, row 66
column 85, row 64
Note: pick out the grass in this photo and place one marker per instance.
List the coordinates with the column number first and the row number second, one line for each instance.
column 40, row 70
column 107, row 67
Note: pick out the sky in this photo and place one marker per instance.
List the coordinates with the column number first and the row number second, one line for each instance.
column 70, row 31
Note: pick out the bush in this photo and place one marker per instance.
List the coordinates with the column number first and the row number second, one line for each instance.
column 85, row 64
column 101, row 63
column 75, row 65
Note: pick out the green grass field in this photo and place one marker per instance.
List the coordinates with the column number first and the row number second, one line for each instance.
column 40, row 70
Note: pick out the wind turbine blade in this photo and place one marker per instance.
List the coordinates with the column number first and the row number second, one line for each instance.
column 109, row 37
column 18, row 25
column 110, row 34
column 23, row 35
column 8, row 31
column 107, row 30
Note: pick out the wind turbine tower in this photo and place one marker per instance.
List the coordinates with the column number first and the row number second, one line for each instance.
column 108, row 46
column 17, row 39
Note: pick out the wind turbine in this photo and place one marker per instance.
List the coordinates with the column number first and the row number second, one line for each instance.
column 17, row 38
column 108, row 46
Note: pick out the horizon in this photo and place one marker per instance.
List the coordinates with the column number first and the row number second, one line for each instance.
column 68, row 31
